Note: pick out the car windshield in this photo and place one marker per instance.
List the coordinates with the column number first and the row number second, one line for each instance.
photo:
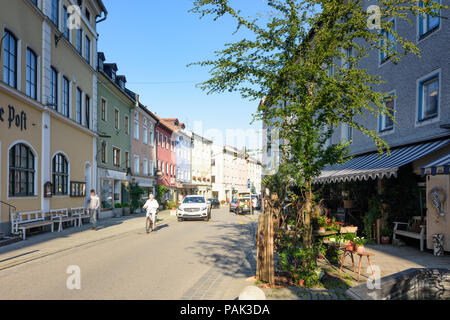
column 194, row 200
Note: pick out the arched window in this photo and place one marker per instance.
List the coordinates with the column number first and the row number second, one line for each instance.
column 10, row 59
column 60, row 175
column 21, row 171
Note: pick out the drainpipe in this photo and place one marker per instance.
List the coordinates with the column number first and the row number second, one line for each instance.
column 102, row 19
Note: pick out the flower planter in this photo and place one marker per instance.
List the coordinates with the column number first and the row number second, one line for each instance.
column 349, row 246
column 385, row 240
column 126, row 211
column 360, row 249
column 118, row 212
column 322, row 230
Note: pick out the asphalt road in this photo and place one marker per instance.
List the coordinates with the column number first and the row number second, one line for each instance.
column 170, row 263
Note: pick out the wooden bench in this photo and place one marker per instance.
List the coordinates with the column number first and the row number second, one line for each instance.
column 21, row 221
column 60, row 216
column 411, row 234
column 80, row 214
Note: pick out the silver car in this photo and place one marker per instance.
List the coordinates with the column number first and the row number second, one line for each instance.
column 194, row 207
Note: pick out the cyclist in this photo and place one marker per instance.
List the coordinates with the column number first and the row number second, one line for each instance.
column 151, row 205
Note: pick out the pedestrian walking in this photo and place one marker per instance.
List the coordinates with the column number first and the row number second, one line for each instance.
column 93, row 205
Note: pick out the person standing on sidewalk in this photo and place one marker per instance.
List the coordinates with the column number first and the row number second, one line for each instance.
column 93, row 205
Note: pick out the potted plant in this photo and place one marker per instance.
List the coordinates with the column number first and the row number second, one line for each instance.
column 126, row 209
column 386, row 235
column 348, row 239
column 322, row 223
column 117, row 211
column 359, row 244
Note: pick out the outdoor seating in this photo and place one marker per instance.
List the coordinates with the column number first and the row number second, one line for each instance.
column 415, row 229
column 61, row 216
column 361, row 255
column 22, row 221
column 80, row 214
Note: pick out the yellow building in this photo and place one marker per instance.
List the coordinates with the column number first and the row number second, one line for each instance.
column 48, row 88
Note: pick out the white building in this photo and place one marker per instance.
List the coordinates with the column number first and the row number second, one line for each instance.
column 254, row 173
column 229, row 173
column 201, row 165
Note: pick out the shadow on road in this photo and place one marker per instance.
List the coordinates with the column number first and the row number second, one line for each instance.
column 231, row 252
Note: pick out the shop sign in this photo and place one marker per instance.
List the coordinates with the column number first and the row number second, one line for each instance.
column 14, row 118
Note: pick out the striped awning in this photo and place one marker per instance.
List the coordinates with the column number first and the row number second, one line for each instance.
column 375, row 166
column 441, row 165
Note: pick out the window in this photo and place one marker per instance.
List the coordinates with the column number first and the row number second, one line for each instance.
column 79, row 41
column 116, row 157
column 127, row 125
column 390, row 43
column 152, row 168
column 429, row 98
column 145, row 164
column 87, row 50
column 31, row 89
column 103, row 151
column 427, row 23
column 65, row 96
column 136, row 125
column 60, row 175
column 65, row 19
column 167, row 168
column 346, row 132
column 21, row 171
column 151, row 134
column 87, row 111
column 165, row 142
column 116, row 118
column 136, row 164
column 103, row 110
column 10, row 60
column 88, row 15
column 79, row 105
column 145, row 132
column 162, row 167
column 54, row 88
column 348, row 55
column 386, row 122
column 35, row 2
column 157, row 138
column 55, row 12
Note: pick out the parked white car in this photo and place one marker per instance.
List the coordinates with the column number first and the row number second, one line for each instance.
column 194, row 207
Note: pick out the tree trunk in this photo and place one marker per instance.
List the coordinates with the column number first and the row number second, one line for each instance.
column 307, row 235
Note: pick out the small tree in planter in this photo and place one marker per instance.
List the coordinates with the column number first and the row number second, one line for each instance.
column 117, row 211
column 136, row 193
column 126, row 209
column 386, row 234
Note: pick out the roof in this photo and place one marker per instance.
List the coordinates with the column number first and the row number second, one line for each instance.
column 375, row 166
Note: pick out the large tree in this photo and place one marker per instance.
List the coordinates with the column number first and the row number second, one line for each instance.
column 286, row 62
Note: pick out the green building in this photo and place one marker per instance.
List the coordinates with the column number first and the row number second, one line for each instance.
column 114, row 142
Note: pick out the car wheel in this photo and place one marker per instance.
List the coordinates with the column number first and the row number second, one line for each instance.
column 180, row 219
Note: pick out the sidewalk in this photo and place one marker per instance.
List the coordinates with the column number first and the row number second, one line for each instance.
column 48, row 243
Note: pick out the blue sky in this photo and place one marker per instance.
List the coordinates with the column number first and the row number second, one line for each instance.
column 152, row 41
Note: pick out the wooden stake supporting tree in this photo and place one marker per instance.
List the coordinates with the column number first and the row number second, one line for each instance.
column 265, row 270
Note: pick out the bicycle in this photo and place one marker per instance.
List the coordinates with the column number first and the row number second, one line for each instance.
column 149, row 223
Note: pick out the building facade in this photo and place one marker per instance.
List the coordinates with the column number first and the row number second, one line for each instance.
column 183, row 147
column 166, row 158
column 114, row 143
column 143, row 148
column 48, row 97
column 254, row 174
column 230, row 173
column 201, row 165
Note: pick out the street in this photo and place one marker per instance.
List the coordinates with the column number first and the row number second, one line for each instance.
column 181, row 260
